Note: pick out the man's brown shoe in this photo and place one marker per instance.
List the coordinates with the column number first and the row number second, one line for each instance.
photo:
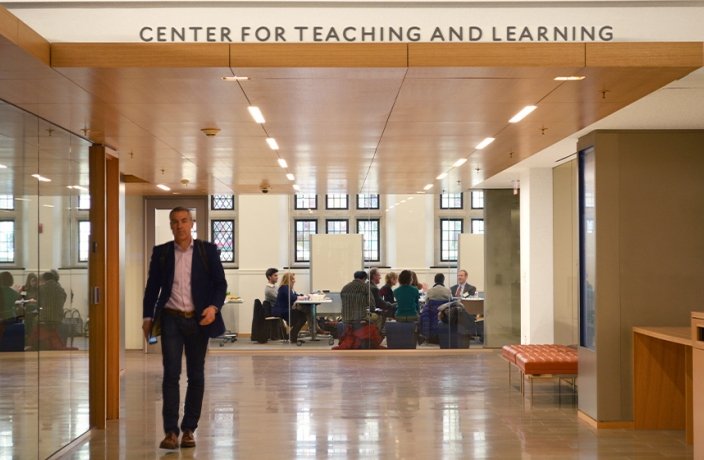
column 187, row 440
column 169, row 442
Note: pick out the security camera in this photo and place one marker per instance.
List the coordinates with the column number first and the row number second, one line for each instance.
column 265, row 189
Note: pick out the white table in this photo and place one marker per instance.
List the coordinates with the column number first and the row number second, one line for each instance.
column 313, row 306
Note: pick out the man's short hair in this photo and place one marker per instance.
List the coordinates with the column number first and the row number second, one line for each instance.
column 271, row 271
column 439, row 278
column 373, row 272
column 360, row 275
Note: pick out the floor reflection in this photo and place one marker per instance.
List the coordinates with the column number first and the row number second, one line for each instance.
column 43, row 401
column 307, row 404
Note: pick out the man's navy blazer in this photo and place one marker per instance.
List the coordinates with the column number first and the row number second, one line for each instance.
column 208, row 284
column 468, row 289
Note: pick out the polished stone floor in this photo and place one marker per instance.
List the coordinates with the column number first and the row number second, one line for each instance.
column 300, row 403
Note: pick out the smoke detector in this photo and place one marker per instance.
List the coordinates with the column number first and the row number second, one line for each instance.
column 210, row 132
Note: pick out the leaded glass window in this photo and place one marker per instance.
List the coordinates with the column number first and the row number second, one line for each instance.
column 222, row 233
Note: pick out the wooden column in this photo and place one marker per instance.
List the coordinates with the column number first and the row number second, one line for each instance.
column 96, row 286
column 112, row 293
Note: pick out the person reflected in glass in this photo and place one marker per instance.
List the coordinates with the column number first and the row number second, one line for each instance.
column 387, row 290
column 51, row 300
column 286, row 308
column 9, row 297
column 407, row 298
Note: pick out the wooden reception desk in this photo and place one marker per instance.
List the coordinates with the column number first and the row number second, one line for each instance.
column 662, row 379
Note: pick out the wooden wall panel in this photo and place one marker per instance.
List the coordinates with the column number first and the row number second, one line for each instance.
column 319, row 55
column 682, row 54
column 496, row 54
column 8, row 25
column 115, row 55
column 23, row 36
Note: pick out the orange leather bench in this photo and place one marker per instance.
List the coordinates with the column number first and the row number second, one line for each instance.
column 541, row 360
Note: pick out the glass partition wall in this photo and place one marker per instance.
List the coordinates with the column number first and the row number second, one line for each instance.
column 43, row 261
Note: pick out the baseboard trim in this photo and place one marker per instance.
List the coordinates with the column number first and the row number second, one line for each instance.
column 612, row 425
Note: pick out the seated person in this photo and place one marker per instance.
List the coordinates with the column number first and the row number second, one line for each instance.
column 463, row 288
column 270, row 291
column 387, row 309
column 356, row 299
column 9, row 297
column 439, row 291
column 407, row 297
column 387, row 291
column 285, row 302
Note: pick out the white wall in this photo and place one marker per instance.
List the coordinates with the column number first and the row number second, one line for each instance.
column 133, row 275
column 536, row 256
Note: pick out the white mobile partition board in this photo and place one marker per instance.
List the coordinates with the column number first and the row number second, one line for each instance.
column 333, row 260
column 472, row 258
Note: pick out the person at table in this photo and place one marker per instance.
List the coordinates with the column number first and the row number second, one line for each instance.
column 270, row 291
column 407, row 297
column 356, row 300
column 9, row 297
column 439, row 291
column 387, row 291
column 414, row 282
column 286, row 308
column 386, row 309
column 463, row 288
column 30, row 290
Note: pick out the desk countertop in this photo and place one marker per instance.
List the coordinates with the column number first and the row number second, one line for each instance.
column 681, row 335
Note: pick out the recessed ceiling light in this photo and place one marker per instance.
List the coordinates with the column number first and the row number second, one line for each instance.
column 282, row 163
column 524, row 112
column 3, row 167
column 163, row 187
column 420, row 192
column 485, row 142
column 273, row 145
column 41, row 178
column 256, row 114
column 441, row 176
column 290, row 176
column 459, row 162
column 428, row 187
column 48, row 205
column 210, row 132
column 235, row 78
column 296, row 188
column 570, row 78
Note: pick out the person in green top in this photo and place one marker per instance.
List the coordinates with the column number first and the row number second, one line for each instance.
column 407, row 297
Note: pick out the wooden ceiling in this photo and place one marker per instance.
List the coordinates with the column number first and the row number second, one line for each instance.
column 374, row 118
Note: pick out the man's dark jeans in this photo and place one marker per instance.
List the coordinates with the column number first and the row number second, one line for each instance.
column 178, row 334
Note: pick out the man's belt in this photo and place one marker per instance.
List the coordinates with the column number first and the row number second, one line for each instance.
column 180, row 313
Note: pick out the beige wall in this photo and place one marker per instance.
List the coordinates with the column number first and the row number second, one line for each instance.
column 649, row 269
column 565, row 254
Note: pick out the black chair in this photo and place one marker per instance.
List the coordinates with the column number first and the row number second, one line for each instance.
column 276, row 327
column 260, row 326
